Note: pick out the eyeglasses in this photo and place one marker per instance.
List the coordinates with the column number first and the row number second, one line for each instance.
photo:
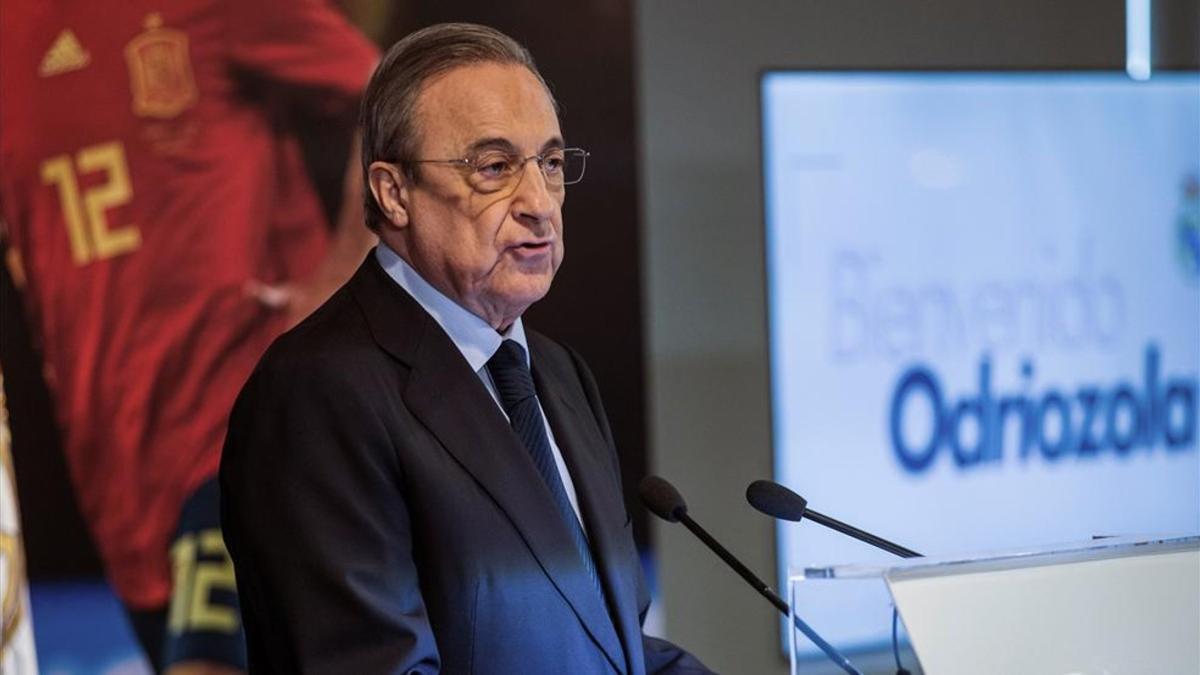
column 496, row 170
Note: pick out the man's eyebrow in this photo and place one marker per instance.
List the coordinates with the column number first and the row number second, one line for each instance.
column 505, row 145
column 494, row 143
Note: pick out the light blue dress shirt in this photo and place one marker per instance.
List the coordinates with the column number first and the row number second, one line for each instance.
column 475, row 339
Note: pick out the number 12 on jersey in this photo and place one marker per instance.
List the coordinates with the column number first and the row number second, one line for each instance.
column 87, row 227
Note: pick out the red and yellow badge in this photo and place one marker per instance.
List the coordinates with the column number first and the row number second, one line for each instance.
column 160, row 72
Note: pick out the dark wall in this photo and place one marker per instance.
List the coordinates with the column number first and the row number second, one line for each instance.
column 1176, row 33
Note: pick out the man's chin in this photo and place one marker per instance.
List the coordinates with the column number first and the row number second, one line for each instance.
column 519, row 293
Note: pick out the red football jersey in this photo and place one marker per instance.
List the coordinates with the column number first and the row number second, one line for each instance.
column 143, row 183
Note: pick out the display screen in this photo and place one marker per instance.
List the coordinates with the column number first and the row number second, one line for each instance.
column 984, row 306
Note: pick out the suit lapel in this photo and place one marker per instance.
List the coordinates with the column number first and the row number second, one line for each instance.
column 587, row 458
column 440, row 388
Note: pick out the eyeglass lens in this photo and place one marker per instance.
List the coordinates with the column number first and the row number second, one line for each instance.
column 495, row 170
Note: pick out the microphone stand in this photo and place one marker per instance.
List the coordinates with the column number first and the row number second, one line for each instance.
column 765, row 590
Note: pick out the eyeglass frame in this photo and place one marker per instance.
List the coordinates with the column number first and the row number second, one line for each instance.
column 517, row 160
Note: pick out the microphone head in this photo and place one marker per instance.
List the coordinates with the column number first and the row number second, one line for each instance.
column 662, row 498
column 776, row 501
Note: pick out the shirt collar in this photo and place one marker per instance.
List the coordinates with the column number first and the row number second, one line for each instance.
column 472, row 335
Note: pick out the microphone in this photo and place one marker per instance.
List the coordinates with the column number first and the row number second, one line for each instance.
column 664, row 501
column 777, row 501
column 662, row 498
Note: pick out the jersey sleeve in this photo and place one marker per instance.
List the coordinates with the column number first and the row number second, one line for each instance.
column 307, row 44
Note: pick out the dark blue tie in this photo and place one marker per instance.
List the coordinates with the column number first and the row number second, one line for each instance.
column 514, row 384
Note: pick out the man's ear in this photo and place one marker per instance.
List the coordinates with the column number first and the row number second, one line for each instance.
column 390, row 187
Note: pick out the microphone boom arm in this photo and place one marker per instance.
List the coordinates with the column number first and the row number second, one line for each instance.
column 765, row 590
column 723, row 553
column 867, row 537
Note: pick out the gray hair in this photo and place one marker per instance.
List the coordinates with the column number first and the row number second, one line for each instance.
column 388, row 115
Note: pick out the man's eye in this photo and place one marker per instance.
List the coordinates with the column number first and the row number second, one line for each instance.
column 553, row 164
column 493, row 167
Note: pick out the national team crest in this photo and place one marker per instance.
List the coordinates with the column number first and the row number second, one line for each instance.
column 160, row 71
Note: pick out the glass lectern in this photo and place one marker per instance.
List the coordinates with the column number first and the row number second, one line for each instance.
column 1112, row 605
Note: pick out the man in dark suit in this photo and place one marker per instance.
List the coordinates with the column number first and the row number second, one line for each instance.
column 412, row 481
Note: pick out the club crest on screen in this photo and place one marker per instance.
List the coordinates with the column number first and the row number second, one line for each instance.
column 1187, row 238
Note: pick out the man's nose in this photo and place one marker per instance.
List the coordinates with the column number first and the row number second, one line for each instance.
column 532, row 198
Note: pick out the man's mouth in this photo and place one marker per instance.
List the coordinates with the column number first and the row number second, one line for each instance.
column 533, row 246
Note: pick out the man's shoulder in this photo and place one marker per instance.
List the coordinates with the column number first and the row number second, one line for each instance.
column 333, row 343
column 564, row 368
column 333, row 329
column 546, row 352
column 560, row 361
column 543, row 344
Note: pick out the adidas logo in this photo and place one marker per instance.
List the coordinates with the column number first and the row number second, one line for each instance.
column 65, row 55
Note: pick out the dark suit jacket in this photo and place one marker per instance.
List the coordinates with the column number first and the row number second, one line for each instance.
column 384, row 518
